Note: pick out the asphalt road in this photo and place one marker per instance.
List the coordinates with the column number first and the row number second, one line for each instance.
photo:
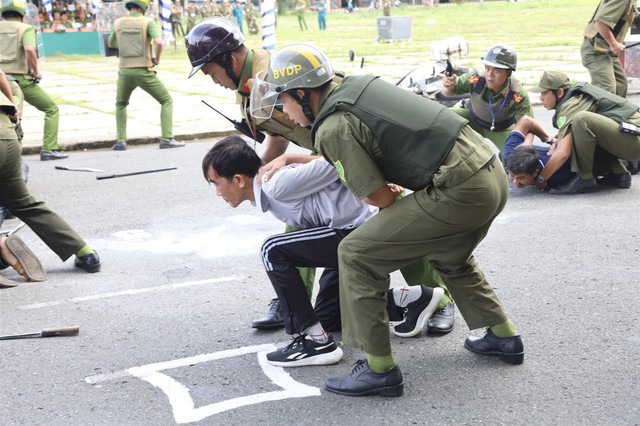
column 165, row 333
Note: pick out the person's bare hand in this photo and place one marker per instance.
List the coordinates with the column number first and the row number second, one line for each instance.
column 396, row 189
column 15, row 118
column 272, row 167
column 449, row 81
column 617, row 48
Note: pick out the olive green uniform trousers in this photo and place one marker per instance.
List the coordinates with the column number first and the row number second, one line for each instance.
column 444, row 223
column 605, row 70
column 36, row 96
column 128, row 80
column 420, row 272
column 590, row 131
column 47, row 225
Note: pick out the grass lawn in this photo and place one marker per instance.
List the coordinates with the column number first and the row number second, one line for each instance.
column 539, row 30
column 545, row 33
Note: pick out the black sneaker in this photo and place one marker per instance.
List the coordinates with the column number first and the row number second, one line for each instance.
column 303, row 351
column 417, row 313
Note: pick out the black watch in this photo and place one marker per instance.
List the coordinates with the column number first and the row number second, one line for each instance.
column 540, row 180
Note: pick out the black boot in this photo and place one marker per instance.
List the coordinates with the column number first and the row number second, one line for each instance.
column 273, row 318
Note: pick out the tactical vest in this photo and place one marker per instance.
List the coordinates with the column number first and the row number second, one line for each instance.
column 6, row 106
column 134, row 44
column 414, row 134
column 480, row 109
column 619, row 30
column 608, row 104
column 12, row 57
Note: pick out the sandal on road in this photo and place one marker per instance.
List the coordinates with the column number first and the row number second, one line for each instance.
column 28, row 265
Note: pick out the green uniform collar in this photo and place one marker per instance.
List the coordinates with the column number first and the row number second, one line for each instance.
column 325, row 94
column 246, row 74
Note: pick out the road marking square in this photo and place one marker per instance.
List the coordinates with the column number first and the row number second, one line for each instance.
column 182, row 404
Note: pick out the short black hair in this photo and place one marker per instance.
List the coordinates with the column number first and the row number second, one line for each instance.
column 523, row 159
column 11, row 14
column 231, row 156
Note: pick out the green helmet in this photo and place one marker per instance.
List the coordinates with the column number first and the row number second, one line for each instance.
column 501, row 56
column 18, row 6
column 142, row 4
column 297, row 66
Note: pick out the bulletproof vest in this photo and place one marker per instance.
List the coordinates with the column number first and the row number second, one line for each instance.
column 619, row 30
column 134, row 44
column 12, row 57
column 480, row 109
column 414, row 134
column 608, row 104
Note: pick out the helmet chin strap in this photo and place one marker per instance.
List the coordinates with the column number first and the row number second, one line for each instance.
column 304, row 103
column 224, row 61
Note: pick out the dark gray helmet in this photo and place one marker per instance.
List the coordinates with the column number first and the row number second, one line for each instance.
column 211, row 38
column 501, row 56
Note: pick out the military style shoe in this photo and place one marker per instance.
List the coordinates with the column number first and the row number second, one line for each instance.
column 362, row 381
column 442, row 321
column 509, row 349
column 575, row 185
column 273, row 318
column 170, row 143
column 89, row 262
column 52, row 155
column 119, row 146
column 618, row 180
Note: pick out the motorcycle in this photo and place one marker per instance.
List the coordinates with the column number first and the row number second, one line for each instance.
column 426, row 80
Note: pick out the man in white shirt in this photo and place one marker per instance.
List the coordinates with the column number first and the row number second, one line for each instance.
column 309, row 196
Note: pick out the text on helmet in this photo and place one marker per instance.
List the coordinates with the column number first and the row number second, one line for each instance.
column 286, row 71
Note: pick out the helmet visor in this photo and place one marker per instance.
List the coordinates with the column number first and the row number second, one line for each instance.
column 264, row 97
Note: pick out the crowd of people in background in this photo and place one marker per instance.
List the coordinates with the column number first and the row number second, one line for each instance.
column 67, row 16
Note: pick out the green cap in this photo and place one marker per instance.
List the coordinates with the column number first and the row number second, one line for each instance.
column 18, row 6
column 142, row 4
column 552, row 80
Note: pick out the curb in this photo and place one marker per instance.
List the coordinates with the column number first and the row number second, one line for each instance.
column 79, row 146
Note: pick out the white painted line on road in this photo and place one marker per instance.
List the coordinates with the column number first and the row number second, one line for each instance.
column 127, row 292
column 183, row 406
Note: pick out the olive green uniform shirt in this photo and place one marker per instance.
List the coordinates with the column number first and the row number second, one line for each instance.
column 444, row 222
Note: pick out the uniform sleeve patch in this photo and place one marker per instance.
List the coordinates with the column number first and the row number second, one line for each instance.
column 473, row 79
column 561, row 121
column 517, row 98
column 339, row 169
